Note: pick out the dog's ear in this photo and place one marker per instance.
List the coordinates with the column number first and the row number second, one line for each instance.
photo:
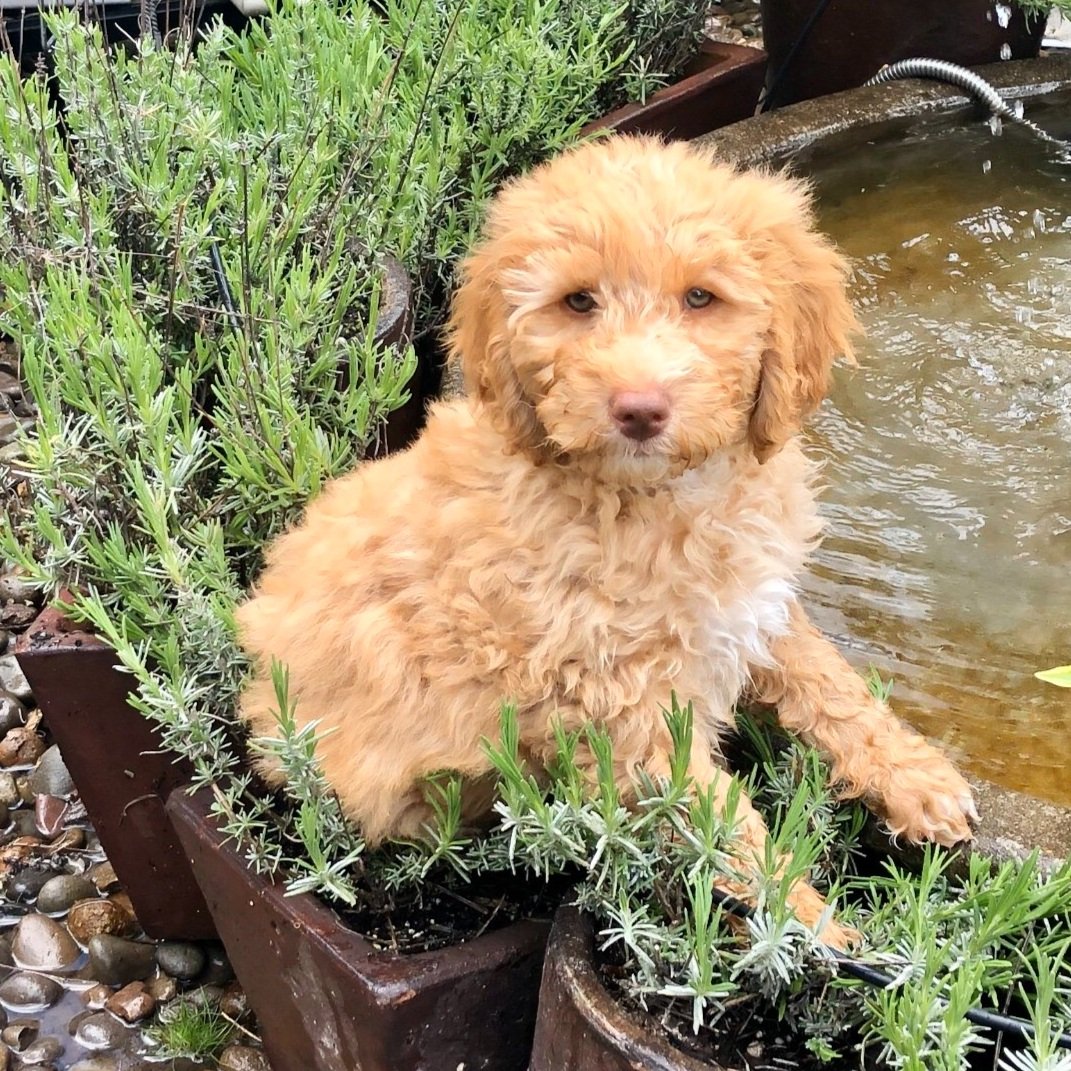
column 812, row 324
column 478, row 335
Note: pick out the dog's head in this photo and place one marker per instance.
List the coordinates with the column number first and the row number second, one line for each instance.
column 636, row 307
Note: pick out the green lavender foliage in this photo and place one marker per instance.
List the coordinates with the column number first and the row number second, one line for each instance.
column 176, row 434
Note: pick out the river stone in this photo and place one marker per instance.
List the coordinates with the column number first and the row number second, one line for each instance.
column 20, row 1033
column 60, row 892
column 20, row 747
column 116, row 961
column 23, row 992
column 9, row 790
column 234, row 1004
column 50, row 813
column 96, row 996
column 42, row 1051
column 28, row 883
column 12, row 679
column 96, row 1063
column 70, row 840
column 88, row 918
column 103, row 876
column 132, row 1003
column 218, row 970
column 101, row 1031
column 42, row 944
column 12, row 712
column 180, row 959
column 18, row 587
column 243, row 1058
column 50, row 776
column 17, row 615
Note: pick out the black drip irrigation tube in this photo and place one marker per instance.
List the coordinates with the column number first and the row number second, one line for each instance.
column 865, row 972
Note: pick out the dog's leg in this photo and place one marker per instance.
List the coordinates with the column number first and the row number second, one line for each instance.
column 914, row 787
column 637, row 747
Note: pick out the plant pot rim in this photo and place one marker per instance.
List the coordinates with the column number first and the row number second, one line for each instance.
column 324, row 926
column 572, row 948
column 718, row 62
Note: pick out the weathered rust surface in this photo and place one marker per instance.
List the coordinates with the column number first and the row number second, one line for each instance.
column 581, row 1027
column 723, row 88
column 122, row 772
column 850, row 41
column 326, row 1000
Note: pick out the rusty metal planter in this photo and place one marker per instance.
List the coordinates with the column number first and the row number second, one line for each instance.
column 327, row 1000
column 115, row 755
column 723, row 87
column 849, row 41
column 580, row 1026
column 122, row 772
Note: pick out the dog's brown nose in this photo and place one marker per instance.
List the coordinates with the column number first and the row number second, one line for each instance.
column 640, row 414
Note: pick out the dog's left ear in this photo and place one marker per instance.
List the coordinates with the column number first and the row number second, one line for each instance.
column 479, row 344
column 812, row 324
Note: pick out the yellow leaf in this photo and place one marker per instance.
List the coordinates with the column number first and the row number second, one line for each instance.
column 1060, row 676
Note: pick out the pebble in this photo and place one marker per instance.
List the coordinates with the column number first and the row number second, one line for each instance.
column 21, row 747
column 19, row 1034
column 68, row 841
column 103, row 876
column 180, row 959
column 116, row 961
column 218, row 970
column 162, row 988
column 12, row 679
column 9, row 790
column 12, row 712
column 24, row 992
column 243, row 1058
column 41, row 943
column 60, row 892
column 96, row 1063
column 132, row 1003
column 42, row 1051
column 88, row 918
column 51, row 776
column 96, row 996
column 101, row 1031
column 25, row 824
column 234, row 1003
column 27, row 884
column 17, row 615
column 17, row 587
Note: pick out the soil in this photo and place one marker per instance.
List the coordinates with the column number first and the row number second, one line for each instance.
column 451, row 912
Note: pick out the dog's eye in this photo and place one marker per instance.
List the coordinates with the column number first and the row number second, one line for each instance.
column 698, row 298
column 581, row 301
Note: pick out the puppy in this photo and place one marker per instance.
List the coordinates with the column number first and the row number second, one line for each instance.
column 618, row 509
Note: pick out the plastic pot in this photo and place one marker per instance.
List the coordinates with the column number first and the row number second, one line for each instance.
column 327, row 1000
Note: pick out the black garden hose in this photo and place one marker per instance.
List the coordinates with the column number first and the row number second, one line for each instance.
column 1005, row 1024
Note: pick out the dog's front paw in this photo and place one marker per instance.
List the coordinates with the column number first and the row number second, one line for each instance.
column 929, row 800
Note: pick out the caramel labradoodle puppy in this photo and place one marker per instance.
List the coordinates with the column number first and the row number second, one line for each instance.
column 618, row 509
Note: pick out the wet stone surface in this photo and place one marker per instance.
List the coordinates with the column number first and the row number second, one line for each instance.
column 81, row 986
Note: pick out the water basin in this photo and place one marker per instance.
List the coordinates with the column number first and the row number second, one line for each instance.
column 947, row 564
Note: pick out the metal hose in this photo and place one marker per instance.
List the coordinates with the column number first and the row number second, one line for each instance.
column 942, row 71
column 975, row 86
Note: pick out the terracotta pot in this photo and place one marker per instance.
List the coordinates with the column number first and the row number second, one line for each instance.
column 850, row 40
column 723, row 88
column 327, row 1000
column 581, row 1027
column 115, row 755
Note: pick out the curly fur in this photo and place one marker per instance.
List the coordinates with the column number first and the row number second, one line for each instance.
column 525, row 549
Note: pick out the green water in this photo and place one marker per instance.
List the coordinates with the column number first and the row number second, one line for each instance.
column 948, row 560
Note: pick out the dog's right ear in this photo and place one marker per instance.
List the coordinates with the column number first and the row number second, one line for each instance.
column 478, row 336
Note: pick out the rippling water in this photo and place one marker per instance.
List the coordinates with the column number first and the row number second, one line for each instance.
column 948, row 559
